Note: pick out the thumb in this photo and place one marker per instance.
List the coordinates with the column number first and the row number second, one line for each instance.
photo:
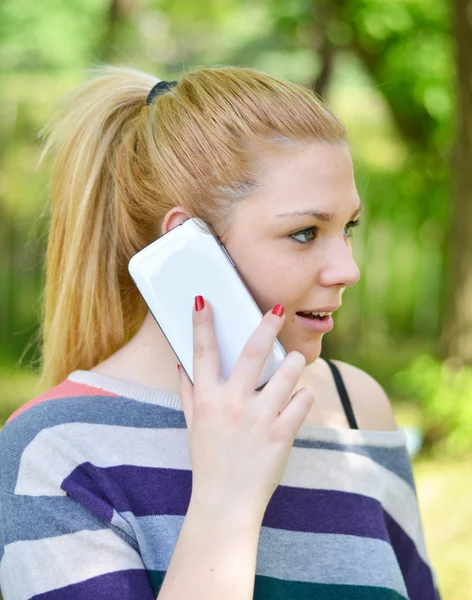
column 186, row 394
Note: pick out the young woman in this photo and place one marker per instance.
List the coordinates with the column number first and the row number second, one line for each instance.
column 125, row 481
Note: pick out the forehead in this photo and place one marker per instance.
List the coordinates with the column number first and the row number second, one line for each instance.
column 313, row 175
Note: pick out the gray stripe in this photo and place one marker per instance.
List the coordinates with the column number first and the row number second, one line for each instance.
column 157, row 536
column 34, row 518
column 328, row 558
column 300, row 556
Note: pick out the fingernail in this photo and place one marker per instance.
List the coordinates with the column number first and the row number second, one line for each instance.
column 278, row 310
column 199, row 303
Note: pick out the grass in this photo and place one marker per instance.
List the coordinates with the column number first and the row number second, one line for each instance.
column 443, row 486
column 445, row 499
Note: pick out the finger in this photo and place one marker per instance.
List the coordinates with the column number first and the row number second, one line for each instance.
column 256, row 351
column 206, row 357
column 280, row 386
column 186, row 395
column 293, row 415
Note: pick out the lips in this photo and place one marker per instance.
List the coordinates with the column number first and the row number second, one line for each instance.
column 315, row 324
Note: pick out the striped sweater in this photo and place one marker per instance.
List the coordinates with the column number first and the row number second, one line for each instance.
column 95, row 481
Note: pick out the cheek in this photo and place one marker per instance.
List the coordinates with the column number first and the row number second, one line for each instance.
column 264, row 283
column 271, row 282
column 273, row 271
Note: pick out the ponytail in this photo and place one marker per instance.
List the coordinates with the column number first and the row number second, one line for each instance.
column 90, row 307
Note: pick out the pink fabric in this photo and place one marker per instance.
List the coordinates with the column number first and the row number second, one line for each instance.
column 62, row 390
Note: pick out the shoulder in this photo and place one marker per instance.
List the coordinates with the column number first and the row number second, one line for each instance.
column 370, row 403
column 27, row 437
column 49, row 429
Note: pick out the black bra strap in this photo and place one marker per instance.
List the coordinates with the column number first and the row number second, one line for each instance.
column 343, row 394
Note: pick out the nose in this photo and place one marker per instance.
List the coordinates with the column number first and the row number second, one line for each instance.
column 338, row 266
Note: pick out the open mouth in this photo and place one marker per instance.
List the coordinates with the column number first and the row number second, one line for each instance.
column 317, row 322
column 312, row 316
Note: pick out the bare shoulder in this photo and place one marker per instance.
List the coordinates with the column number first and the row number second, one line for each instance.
column 370, row 403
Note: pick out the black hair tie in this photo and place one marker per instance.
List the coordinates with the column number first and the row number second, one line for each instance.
column 159, row 89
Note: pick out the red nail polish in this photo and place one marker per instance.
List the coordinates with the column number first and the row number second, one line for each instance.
column 199, row 303
column 278, row 310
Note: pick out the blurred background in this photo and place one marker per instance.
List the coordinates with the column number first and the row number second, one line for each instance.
column 398, row 73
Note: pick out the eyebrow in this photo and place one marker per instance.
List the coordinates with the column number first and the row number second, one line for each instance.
column 321, row 216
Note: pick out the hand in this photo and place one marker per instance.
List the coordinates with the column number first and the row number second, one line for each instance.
column 240, row 439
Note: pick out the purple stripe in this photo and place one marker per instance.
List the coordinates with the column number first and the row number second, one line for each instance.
column 141, row 490
column 152, row 491
column 325, row 511
column 125, row 585
column 416, row 573
column 90, row 486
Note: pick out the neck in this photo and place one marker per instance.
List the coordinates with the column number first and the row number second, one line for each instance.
column 147, row 359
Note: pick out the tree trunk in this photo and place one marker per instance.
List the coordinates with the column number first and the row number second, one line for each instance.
column 322, row 16
column 117, row 15
column 456, row 339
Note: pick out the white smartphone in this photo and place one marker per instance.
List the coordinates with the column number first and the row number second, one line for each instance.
column 187, row 261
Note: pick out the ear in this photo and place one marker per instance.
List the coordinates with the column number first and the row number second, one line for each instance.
column 174, row 217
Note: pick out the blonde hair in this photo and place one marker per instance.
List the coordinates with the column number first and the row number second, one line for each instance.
column 120, row 165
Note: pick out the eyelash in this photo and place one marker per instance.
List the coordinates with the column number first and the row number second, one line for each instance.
column 351, row 226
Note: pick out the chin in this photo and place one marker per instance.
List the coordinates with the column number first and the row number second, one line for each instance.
column 311, row 357
column 310, row 350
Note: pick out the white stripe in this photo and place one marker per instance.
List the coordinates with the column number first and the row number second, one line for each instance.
column 55, row 452
column 111, row 445
column 37, row 566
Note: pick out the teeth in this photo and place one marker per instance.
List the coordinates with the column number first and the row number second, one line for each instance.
column 321, row 314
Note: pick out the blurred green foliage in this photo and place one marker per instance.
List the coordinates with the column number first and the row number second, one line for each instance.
column 445, row 391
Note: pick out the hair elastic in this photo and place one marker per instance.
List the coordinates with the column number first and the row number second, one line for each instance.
column 159, row 89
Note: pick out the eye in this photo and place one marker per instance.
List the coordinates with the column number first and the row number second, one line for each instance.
column 309, row 230
column 350, row 226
